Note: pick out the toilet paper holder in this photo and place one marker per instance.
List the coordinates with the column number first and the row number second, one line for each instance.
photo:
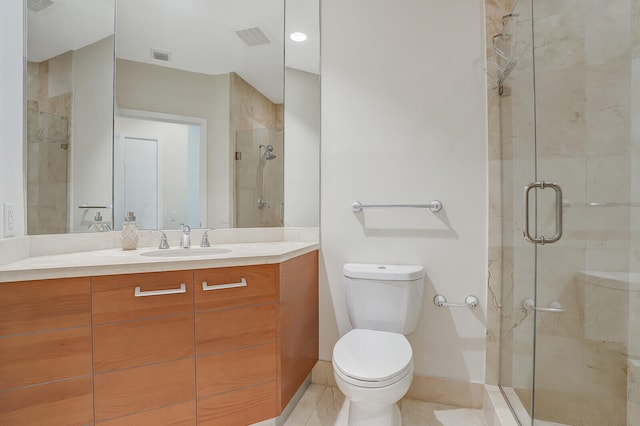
column 470, row 301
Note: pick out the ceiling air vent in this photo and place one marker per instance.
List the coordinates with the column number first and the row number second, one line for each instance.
column 38, row 5
column 160, row 56
column 253, row 36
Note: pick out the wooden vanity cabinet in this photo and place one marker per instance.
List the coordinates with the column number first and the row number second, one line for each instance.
column 45, row 353
column 158, row 348
column 143, row 348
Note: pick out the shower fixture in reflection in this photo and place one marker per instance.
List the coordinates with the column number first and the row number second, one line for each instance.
column 264, row 157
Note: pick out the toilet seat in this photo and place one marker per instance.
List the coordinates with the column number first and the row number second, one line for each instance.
column 372, row 358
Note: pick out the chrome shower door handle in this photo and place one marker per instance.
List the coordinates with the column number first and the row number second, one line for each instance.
column 525, row 232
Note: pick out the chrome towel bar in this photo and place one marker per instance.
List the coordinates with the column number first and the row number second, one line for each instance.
column 434, row 206
column 555, row 306
column 469, row 302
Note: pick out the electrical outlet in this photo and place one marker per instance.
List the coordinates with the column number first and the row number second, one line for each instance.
column 9, row 219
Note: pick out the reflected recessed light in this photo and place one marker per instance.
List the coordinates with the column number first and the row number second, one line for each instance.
column 297, row 36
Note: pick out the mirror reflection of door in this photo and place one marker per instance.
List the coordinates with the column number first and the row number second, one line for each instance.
column 141, row 189
column 159, row 171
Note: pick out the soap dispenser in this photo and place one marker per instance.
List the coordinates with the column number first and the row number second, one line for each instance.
column 97, row 225
column 129, row 234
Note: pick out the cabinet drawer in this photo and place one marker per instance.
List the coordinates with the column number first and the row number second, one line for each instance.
column 227, row 329
column 32, row 306
column 260, row 286
column 65, row 403
column 131, row 391
column 176, row 415
column 114, row 296
column 233, row 370
column 242, row 407
column 135, row 343
column 30, row 359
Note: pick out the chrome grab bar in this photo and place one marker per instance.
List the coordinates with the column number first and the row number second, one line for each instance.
column 207, row 287
column 139, row 293
column 599, row 204
column 525, row 232
column 434, row 206
column 528, row 305
column 469, row 302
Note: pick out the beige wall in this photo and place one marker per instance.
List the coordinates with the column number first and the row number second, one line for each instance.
column 12, row 183
column 301, row 167
column 92, row 136
column 49, row 132
column 159, row 89
column 399, row 125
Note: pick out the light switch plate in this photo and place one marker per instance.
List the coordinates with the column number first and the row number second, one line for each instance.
column 9, row 219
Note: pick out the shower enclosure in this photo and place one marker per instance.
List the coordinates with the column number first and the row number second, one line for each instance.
column 259, row 172
column 570, row 325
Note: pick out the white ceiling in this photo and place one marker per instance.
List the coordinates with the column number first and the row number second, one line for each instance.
column 199, row 35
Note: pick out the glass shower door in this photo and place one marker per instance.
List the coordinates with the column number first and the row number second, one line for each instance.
column 584, row 72
column 578, row 298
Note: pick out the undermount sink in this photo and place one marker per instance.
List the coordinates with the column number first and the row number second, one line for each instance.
column 185, row 252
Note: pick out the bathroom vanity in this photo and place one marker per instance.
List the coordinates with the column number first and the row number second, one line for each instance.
column 225, row 339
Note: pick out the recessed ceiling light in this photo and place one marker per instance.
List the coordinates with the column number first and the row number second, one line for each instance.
column 298, row 36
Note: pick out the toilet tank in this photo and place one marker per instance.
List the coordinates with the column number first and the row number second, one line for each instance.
column 384, row 297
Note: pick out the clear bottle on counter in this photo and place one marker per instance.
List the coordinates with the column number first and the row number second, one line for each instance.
column 129, row 234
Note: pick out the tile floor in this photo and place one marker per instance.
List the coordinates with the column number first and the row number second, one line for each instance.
column 326, row 406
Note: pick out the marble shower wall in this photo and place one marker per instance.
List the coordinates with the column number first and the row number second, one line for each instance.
column 255, row 120
column 586, row 75
column 49, row 115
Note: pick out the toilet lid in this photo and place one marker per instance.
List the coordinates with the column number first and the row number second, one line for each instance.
column 372, row 355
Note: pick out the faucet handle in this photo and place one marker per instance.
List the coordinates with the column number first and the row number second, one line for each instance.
column 164, row 244
column 205, row 239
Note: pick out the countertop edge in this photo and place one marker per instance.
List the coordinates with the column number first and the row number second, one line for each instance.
column 177, row 264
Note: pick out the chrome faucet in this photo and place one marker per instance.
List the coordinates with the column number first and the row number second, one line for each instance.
column 205, row 239
column 185, row 240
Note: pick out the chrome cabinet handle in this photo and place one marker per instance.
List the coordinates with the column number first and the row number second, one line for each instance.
column 140, row 293
column 207, row 287
column 525, row 232
column 529, row 306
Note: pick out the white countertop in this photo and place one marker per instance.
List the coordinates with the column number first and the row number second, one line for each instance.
column 118, row 261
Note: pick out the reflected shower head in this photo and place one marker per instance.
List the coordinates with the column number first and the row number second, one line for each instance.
column 268, row 152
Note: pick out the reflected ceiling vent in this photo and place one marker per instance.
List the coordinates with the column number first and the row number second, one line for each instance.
column 38, row 5
column 253, row 36
column 159, row 55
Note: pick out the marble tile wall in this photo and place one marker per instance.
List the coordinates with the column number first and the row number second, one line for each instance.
column 255, row 120
column 49, row 112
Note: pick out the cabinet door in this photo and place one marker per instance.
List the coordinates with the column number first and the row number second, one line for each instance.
column 232, row 287
column 144, row 351
column 45, row 348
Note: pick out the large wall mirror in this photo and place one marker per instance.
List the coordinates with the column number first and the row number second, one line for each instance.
column 209, row 122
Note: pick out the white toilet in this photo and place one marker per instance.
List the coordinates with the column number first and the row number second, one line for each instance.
column 373, row 363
